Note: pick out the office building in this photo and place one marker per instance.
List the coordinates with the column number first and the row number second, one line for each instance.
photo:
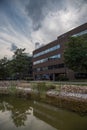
column 48, row 60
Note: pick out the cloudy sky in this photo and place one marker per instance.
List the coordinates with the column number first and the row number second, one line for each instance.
column 25, row 22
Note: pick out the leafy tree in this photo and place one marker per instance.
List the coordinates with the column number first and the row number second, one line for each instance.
column 19, row 67
column 4, row 72
column 21, row 64
column 75, row 54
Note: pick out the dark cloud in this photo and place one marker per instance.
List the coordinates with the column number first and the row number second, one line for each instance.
column 58, row 17
column 13, row 47
column 34, row 9
column 4, row 3
column 38, row 9
column 85, row 1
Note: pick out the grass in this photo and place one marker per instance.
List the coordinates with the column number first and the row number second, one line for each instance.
column 74, row 82
column 12, row 90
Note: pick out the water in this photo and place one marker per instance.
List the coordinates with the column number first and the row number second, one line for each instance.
column 22, row 114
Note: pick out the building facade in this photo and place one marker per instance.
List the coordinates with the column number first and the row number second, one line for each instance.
column 48, row 61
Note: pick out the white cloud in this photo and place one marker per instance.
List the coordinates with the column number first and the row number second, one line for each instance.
column 12, row 33
column 58, row 17
column 4, row 50
column 59, row 21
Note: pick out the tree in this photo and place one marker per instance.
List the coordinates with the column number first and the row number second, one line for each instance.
column 75, row 54
column 21, row 64
column 19, row 67
column 4, row 72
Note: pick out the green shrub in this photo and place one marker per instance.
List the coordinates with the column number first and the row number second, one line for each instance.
column 62, row 77
column 12, row 90
column 29, row 78
column 41, row 87
column 50, row 86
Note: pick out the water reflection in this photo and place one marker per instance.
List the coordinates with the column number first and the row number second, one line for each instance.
column 19, row 109
column 24, row 114
column 59, row 118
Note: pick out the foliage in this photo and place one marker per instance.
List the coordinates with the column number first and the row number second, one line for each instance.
column 39, row 86
column 42, row 86
column 62, row 77
column 4, row 72
column 12, row 90
column 50, row 85
column 19, row 67
column 75, row 54
column 22, row 64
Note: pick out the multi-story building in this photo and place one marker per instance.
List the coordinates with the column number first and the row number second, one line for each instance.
column 48, row 60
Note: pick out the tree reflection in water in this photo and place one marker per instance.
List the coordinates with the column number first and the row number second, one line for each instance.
column 19, row 109
column 33, row 115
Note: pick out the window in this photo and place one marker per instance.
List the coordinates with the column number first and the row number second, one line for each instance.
column 47, row 51
column 58, row 56
column 80, row 33
column 51, row 67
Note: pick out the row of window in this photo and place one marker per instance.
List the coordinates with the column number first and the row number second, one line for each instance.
column 81, row 75
column 47, row 59
column 47, row 51
column 43, row 77
column 58, row 46
column 80, row 33
column 49, row 67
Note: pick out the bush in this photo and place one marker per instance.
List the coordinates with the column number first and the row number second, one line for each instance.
column 41, row 86
column 12, row 90
column 62, row 77
column 50, row 86
column 28, row 78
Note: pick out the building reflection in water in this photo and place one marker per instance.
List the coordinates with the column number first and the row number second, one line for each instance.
column 59, row 118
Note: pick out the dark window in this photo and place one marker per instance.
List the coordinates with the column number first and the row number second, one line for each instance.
column 81, row 75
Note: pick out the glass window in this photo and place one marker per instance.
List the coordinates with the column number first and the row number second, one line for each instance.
column 47, row 51
column 80, row 33
column 47, row 59
column 51, row 67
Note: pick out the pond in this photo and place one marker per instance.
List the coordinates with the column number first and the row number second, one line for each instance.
column 23, row 114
